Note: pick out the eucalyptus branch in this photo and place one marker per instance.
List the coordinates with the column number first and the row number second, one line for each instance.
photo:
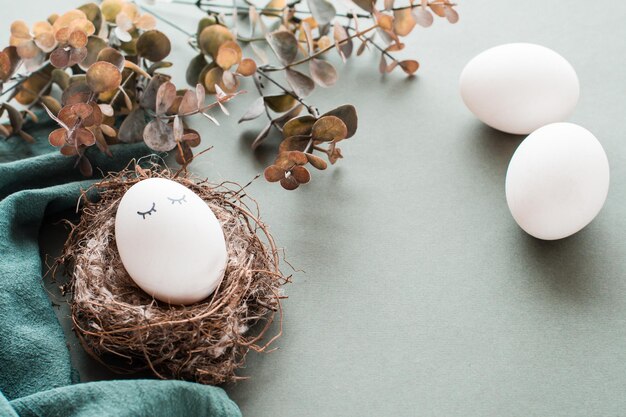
column 321, row 51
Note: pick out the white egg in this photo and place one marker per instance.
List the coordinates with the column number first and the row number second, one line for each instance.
column 519, row 87
column 170, row 241
column 557, row 181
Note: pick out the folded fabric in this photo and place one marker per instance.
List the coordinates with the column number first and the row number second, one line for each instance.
column 35, row 369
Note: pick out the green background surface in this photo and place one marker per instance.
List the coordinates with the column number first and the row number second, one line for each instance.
column 421, row 295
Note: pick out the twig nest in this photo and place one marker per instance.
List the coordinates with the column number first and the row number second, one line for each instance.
column 127, row 330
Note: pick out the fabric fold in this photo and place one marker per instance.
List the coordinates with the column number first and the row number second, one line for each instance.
column 35, row 367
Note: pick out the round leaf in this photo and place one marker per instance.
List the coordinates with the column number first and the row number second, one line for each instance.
column 159, row 136
column 153, row 45
column 212, row 37
column 103, row 76
column 329, row 129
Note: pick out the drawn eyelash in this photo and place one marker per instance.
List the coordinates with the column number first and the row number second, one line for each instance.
column 143, row 214
column 178, row 200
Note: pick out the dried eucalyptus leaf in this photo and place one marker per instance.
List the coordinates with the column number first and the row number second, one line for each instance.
column 189, row 103
column 329, row 129
column 60, row 78
column 95, row 44
column 299, row 126
column 153, row 45
column 165, row 97
column 94, row 15
column 15, row 117
column 323, row 11
column 345, row 44
column 316, row 161
column 159, row 136
column 148, row 99
column 255, row 110
column 212, row 37
column 34, row 85
column 423, row 17
column 302, row 84
column 52, row 104
column 280, row 103
column 284, row 118
column 323, row 72
column 347, row 114
column 85, row 167
column 367, row 5
column 156, row 66
column 132, row 127
column 403, row 22
column 409, row 66
column 293, row 143
column 284, row 44
column 112, row 56
column 103, row 76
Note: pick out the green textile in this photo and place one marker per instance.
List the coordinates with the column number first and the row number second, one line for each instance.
column 36, row 376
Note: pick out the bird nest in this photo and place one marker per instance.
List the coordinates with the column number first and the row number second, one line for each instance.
column 127, row 330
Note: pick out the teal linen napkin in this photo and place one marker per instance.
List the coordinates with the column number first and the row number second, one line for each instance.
column 35, row 369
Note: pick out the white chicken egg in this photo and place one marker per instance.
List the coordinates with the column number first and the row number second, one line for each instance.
column 557, row 181
column 170, row 241
column 519, row 87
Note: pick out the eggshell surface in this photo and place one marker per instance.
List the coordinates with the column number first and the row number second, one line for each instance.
column 519, row 87
column 170, row 241
column 557, row 181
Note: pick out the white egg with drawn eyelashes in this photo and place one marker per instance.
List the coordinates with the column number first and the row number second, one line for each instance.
column 170, row 241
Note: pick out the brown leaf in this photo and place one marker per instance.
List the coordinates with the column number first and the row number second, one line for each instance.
column 77, row 39
column 294, row 143
column 347, row 113
column 302, row 84
column 85, row 167
column 301, row 174
column 367, row 5
column 84, row 137
column 403, row 22
column 284, row 44
column 58, row 137
column 212, row 37
column 409, row 66
column 159, row 136
column 195, row 67
column 329, row 129
column 323, row 72
column 153, row 46
column 342, row 40
column 451, row 15
column 247, row 67
column 148, row 99
column 316, row 161
column 228, row 54
column 189, row 103
column 273, row 173
column 132, row 127
column 165, row 97
column 384, row 21
column 289, row 183
column 103, row 76
column 112, row 56
column 423, row 17
column 95, row 44
column 299, row 126
column 280, row 103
